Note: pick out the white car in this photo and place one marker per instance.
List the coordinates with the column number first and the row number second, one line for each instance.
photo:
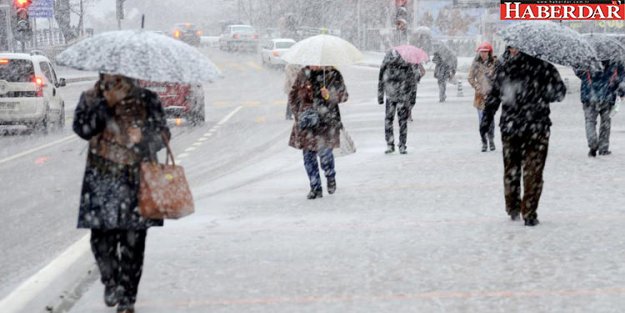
column 28, row 92
column 272, row 50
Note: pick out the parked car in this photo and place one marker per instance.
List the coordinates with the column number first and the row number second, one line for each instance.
column 239, row 37
column 272, row 50
column 188, row 33
column 28, row 92
column 180, row 100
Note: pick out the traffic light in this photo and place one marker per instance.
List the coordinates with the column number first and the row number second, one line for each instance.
column 22, row 4
column 401, row 14
column 22, row 30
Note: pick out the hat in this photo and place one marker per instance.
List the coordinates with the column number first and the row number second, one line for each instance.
column 485, row 47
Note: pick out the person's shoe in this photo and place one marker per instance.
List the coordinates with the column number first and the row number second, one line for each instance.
column 403, row 150
column 532, row 222
column 606, row 152
column 111, row 295
column 484, row 147
column 314, row 194
column 390, row 149
column 331, row 185
column 491, row 145
column 592, row 153
column 515, row 216
column 126, row 308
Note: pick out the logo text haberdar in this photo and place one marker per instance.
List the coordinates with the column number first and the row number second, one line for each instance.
column 525, row 11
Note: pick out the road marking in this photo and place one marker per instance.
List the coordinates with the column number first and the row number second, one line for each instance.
column 183, row 155
column 190, row 149
column 34, row 286
column 197, row 144
column 203, row 139
column 19, row 155
column 220, row 103
column 251, row 103
column 279, row 102
column 229, row 116
column 261, row 119
column 255, row 66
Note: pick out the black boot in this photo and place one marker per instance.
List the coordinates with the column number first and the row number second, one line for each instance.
column 514, row 216
column 315, row 193
column 403, row 150
column 484, row 146
column 491, row 145
column 532, row 221
column 390, row 149
column 331, row 185
column 111, row 295
column 592, row 152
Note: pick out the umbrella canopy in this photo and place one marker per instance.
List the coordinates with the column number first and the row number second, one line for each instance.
column 607, row 48
column 323, row 50
column 550, row 42
column 412, row 54
column 142, row 55
column 445, row 53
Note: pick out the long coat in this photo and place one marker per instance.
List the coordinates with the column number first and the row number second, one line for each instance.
column 481, row 75
column 398, row 80
column 109, row 196
column 306, row 94
column 524, row 86
column 443, row 69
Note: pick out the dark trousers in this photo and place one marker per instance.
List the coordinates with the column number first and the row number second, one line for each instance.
column 442, row 89
column 119, row 255
column 490, row 135
column 524, row 157
column 312, row 166
column 591, row 112
column 403, row 112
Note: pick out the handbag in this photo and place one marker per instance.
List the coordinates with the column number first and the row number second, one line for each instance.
column 164, row 192
column 308, row 119
column 346, row 146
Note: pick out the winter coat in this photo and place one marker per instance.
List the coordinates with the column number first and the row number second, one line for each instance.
column 481, row 76
column 111, row 181
column 602, row 86
column 398, row 80
column 524, row 86
column 306, row 94
column 443, row 71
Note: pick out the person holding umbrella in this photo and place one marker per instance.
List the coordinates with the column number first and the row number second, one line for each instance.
column 125, row 125
column 398, row 81
column 599, row 89
column 481, row 76
column 314, row 100
column 523, row 86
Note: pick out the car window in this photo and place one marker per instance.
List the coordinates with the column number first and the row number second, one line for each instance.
column 283, row 45
column 16, row 71
column 45, row 68
column 56, row 79
column 243, row 29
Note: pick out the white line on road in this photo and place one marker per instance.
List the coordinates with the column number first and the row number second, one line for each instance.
column 229, row 116
column 182, row 155
column 19, row 155
column 37, row 284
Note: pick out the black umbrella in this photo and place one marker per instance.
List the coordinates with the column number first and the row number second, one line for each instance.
column 606, row 47
column 446, row 54
column 550, row 42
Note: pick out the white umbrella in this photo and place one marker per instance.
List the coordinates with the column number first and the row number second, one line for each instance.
column 323, row 50
column 142, row 55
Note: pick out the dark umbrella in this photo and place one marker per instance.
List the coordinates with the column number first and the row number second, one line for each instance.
column 606, row 47
column 550, row 42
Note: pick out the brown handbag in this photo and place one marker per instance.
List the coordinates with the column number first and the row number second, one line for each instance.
column 163, row 190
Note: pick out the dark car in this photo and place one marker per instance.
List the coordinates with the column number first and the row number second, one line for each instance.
column 188, row 33
column 180, row 100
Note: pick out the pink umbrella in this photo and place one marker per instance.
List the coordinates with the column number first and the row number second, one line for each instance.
column 412, row 54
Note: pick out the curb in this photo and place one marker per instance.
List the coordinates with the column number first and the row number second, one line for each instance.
column 55, row 287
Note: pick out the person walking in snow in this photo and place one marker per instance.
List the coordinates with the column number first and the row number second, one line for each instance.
column 443, row 72
column 314, row 100
column 523, row 86
column 398, row 82
column 125, row 125
column 481, row 76
column 598, row 94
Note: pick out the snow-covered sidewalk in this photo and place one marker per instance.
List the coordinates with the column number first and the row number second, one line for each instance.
column 422, row 232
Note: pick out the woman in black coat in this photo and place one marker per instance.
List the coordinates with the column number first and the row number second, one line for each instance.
column 124, row 125
column 524, row 86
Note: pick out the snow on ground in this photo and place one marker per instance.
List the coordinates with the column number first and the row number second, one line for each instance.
column 423, row 232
